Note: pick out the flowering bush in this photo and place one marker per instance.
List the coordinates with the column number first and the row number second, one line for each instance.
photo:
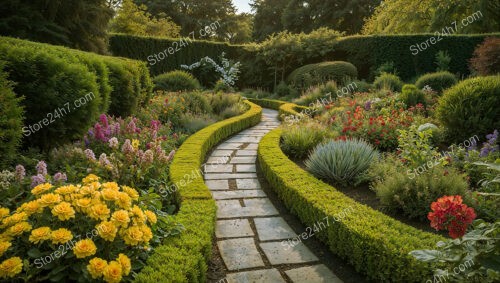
column 228, row 72
column 93, row 229
column 449, row 213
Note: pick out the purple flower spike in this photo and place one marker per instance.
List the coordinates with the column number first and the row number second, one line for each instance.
column 41, row 168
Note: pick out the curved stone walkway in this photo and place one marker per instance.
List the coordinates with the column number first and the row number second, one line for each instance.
column 251, row 236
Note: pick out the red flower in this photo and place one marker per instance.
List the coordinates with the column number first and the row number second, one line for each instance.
column 450, row 213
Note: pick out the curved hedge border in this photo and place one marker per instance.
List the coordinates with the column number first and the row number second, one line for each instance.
column 375, row 244
column 183, row 258
column 284, row 108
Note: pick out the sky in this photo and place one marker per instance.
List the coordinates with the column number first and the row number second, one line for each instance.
column 243, row 5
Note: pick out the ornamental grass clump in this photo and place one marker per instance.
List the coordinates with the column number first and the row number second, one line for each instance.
column 342, row 161
column 92, row 230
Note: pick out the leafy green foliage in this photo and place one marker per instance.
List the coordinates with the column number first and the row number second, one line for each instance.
column 443, row 60
column 470, row 108
column 341, row 161
column 314, row 74
column 320, row 93
column 412, row 96
column 437, row 81
column 299, row 140
column 267, row 19
column 388, row 81
column 176, row 81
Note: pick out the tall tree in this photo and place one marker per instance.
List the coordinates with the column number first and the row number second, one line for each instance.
column 77, row 24
column 267, row 19
column 239, row 29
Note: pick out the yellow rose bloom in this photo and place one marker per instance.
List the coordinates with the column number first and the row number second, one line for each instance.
column 125, row 263
column 14, row 219
column 124, row 201
column 94, row 186
column 65, row 190
column 109, row 194
column 31, row 207
column 151, row 216
column 83, row 204
column 4, row 212
column 84, row 248
column 11, row 267
column 133, row 194
column 49, row 200
column 61, row 236
column 133, row 236
column 19, row 229
column 40, row 189
column 90, row 178
column 99, row 212
column 40, row 234
column 147, row 234
column 107, row 230
column 111, row 185
column 96, row 267
column 138, row 214
column 63, row 211
column 4, row 246
column 135, row 143
column 120, row 218
column 113, row 272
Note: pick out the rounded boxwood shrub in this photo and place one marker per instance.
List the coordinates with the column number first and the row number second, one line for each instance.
column 470, row 108
column 412, row 96
column 11, row 120
column 176, row 81
column 388, row 81
column 341, row 161
column 314, row 74
column 437, row 81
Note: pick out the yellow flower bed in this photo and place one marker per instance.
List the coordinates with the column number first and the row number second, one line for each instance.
column 55, row 218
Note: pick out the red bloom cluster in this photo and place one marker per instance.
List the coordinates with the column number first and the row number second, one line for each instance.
column 450, row 213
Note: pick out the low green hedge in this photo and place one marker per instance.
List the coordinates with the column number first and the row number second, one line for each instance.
column 183, row 258
column 284, row 108
column 375, row 244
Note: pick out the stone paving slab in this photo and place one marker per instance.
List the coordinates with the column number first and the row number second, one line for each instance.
column 243, row 160
column 218, row 159
column 229, row 145
column 245, row 139
column 226, row 176
column 219, row 168
column 217, row 184
column 256, row 276
column 240, row 253
column 238, row 194
column 246, row 152
column 253, row 146
column 246, row 168
column 222, row 152
column 277, row 253
column 247, row 184
column 273, row 228
column 233, row 228
column 313, row 274
column 252, row 208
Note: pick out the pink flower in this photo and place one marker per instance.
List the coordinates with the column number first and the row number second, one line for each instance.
column 41, row 168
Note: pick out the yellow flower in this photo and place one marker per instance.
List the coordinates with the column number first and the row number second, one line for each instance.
column 61, row 236
column 107, row 230
column 31, row 207
column 63, row 211
column 109, row 194
column 135, row 143
column 94, row 186
column 40, row 234
column 133, row 194
column 90, row 178
column 147, row 235
column 82, row 204
column 49, row 200
column 99, row 211
column 11, row 267
column 84, row 248
column 113, row 272
column 121, row 218
column 123, row 200
column 4, row 212
column 96, row 267
column 4, row 246
column 125, row 263
column 133, row 236
column 138, row 214
column 42, row 188
column 19, row 229
column 66, row 190
column 14, row 219
column 111, row 185
column 151, row 216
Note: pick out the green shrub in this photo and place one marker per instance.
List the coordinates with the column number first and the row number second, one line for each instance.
column 176, row 81
column 387, row 67
column 220, row 101
column 437, row 81
column 314, row 74
column 388, row 81
column 284, row 90
column 318, row 93
column 359, row 86
column 11, row 120
column 341, row 161
column 412, row 96
column 220, row 86
column 124, row 97
column 412, row 191
column 196, row 102
column 443, row 60
column 233, row 110
column 299, row 140
column 192, row 123
column 470, row 108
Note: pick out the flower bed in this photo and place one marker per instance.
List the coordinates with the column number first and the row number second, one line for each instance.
column 183, row 258
column 372, row 242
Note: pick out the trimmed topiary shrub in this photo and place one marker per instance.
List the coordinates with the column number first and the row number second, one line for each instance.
column 341, row 161
column 486, row 59
column 412, row 96
column 437, row 81
column 388, row 81
column 314, row 74
column 470, row 108
column 11, row 120
column 176, row 81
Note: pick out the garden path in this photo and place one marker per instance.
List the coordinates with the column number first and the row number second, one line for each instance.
column 251, row 235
